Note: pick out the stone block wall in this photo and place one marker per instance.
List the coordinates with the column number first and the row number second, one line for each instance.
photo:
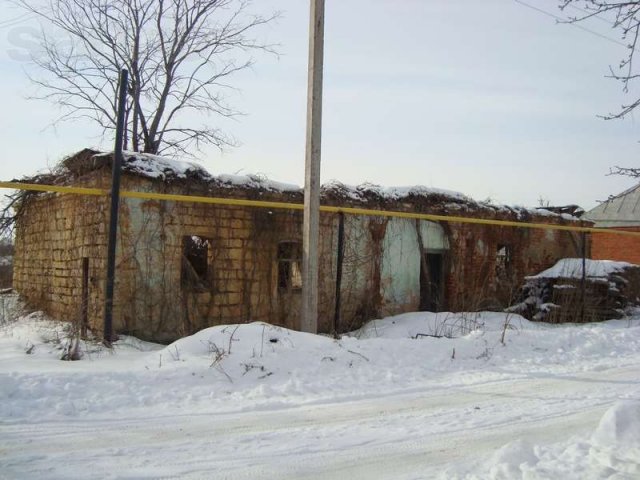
column 53, row 236
column 381, row 268
column 242, row 267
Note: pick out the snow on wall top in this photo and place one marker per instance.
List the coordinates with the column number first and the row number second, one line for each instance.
column 164, row 168
column 365, row 190
column 256, row 181
column 167, row 169
column 450, row 199
column 548, row 213
column 155, row 166
column 572, row 268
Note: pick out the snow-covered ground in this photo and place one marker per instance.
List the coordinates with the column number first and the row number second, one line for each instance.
column 416, row 396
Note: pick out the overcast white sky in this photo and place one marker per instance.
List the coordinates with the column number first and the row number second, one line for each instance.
column 491, row 98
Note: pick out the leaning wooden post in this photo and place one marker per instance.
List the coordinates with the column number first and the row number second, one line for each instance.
column 583, row 281
column 115, row 204
column 311, row 223
column 339, row 265
column 84, row 308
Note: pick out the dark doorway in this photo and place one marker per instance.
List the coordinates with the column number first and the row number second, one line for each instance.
column 432, row 282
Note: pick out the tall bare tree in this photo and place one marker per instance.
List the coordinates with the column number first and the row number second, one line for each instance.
column 180, row 55
column 625, row 17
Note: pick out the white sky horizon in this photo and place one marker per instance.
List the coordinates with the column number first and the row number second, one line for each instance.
column 492, row 99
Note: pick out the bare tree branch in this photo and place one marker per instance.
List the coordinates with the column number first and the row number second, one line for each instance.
column 625, row 171
column 624, row 16
column 180, row 54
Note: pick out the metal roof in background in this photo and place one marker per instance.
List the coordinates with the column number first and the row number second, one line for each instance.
column 622, row 210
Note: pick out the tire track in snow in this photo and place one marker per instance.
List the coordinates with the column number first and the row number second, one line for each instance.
column 388, row 434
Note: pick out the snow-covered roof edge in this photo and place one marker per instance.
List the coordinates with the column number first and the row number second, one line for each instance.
column 165, row 169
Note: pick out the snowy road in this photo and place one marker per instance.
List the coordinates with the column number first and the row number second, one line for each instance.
column 412, row 434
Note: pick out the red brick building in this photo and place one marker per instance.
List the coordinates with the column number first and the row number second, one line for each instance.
column 621, row 212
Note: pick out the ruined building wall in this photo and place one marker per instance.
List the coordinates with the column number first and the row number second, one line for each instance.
column 403, row 266
column 242, row 267
column 56, row 232
column 384, row 267
column 488, row 264
column 53, row 235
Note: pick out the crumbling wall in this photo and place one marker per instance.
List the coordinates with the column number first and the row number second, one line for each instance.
column 489, row 263
column 53, row 234
column 358, row 297
column 242, row 277
column 383, row 264
column 404, row 243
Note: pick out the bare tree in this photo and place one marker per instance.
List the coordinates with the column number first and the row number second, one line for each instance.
column 624, row 16
column 180, row 55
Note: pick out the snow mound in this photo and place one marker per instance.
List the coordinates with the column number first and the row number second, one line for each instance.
column 619, row 429
column 251, row 340
column 572, row 268
column 612, row 452
column 257, row 365
column 509, row 461
column 259, row 360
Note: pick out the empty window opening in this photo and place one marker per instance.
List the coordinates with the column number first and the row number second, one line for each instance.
column 503, row 261
column 289, row 266
column 194, row 274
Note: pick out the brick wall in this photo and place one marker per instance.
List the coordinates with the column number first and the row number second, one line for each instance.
column 474, row 282
column 617, row 247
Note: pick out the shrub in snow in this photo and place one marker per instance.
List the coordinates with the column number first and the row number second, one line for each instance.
column 556, row 295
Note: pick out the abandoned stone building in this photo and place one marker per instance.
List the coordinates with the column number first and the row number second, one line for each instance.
column 183, row 266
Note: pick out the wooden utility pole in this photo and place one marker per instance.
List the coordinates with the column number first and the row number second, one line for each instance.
column 311, row 224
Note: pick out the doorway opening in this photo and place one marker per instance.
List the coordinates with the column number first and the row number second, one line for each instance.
column 432, row 282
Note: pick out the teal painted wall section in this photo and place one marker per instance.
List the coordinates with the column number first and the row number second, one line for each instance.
column 400, row 272
column 433, row 236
